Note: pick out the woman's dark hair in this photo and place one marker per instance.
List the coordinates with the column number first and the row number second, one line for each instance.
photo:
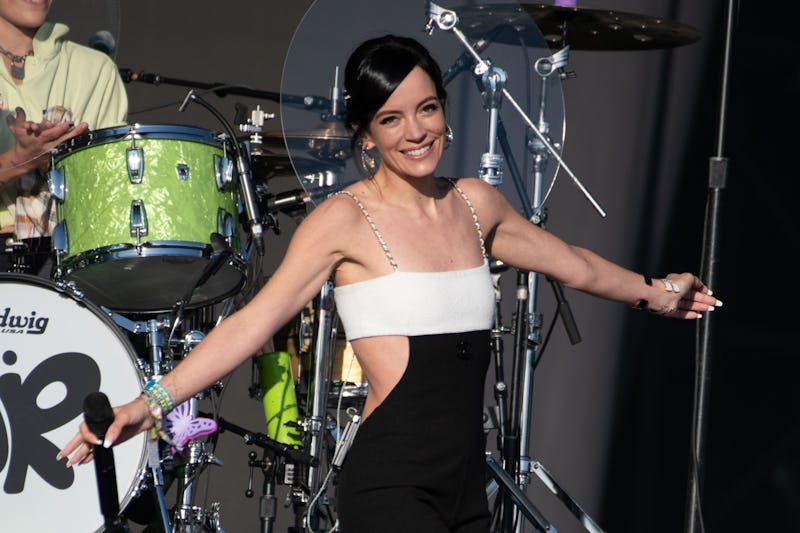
column 375, row 69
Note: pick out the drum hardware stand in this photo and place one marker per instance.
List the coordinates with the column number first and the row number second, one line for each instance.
column 154, row 463
column 254, row 125
column 273, row 450
column 324, row 340
column 528, row 321
column 189, row 518
column 498, row 348
column 518, row 496
column 448, row 20
column 221, row 252
column 243, row 166
column 155, row 339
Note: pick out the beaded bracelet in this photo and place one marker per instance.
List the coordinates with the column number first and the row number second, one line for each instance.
column 160, row 403
column 160, row 395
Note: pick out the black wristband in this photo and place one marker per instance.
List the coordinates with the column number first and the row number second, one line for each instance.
column 642, row 304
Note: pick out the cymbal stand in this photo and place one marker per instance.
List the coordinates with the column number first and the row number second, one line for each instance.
column 447, row 20
column 324, row 340
column 528, row 320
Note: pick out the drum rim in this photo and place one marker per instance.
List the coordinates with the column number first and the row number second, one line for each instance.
column 97, row 311
column 68, row 270
column 140, row 131
column 125, row 250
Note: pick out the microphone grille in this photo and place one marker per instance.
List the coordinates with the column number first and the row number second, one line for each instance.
column 97, row 412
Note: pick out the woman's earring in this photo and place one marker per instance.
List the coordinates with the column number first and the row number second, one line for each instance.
column 448, row 136
column 369, row 162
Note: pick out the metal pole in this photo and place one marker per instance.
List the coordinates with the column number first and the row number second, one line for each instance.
column 718, row 166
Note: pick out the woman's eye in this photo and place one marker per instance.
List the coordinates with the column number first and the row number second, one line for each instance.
column 430, row 108
column 387, row 120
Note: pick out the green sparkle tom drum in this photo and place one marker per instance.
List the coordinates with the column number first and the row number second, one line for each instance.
column 145, row 213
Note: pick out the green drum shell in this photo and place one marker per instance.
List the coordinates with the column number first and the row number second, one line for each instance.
column 183, row 206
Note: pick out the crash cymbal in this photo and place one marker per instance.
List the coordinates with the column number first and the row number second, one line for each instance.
column 329, row 141
column 333, row 131
column 581, row 29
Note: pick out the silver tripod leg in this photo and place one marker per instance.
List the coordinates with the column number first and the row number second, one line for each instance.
column 585, row 520
column 516, row 494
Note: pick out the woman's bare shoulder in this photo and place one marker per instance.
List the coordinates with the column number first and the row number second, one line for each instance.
column 488, row 201
column 331, row 222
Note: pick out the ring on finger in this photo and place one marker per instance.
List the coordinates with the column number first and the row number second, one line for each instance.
column 670, row 286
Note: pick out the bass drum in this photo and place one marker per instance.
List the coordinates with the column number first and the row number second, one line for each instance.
column 57, row 348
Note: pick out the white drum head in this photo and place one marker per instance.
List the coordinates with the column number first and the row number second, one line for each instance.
column 54, row 350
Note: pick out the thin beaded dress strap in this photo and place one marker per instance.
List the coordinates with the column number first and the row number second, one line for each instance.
column 472, row 210
column 373, row 226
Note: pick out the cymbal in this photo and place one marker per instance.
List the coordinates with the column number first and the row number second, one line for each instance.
column 580, row 28
column 328, row 141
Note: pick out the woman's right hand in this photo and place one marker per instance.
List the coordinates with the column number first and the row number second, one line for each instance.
column 129, row 420
column 32, row 139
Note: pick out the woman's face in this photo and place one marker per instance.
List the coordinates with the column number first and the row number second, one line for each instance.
column 409, row 129
column 26, row 15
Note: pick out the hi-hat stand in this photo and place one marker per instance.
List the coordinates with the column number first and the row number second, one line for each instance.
column 516, row 431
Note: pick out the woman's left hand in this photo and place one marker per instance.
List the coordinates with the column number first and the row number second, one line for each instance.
column 685, row 297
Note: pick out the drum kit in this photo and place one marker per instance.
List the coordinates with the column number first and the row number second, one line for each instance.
column 152, row 248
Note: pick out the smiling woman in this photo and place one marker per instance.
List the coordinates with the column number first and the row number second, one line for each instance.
column 408, row 252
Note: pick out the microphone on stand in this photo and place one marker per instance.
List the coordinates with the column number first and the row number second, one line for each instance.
column 295, row 198
column 245, row 174
column 249, row 198
column 103, row 41
column 288, row 200
column 466, row 60
column 98, row 415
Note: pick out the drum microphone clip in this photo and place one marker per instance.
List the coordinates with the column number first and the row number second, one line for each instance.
column 243, row 166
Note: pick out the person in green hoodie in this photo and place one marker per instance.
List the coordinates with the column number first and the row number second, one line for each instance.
column 51, row 89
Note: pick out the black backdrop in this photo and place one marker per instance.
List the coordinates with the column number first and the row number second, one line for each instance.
column 751, row 455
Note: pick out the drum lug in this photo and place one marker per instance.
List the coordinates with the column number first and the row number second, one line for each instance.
column 57, row 184
column 138, row 221
column 61, row 239
column 223, row 170
column 225, row 225
column 135, row 161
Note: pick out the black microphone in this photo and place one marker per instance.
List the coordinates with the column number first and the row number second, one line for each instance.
column 104, row 41
column 296, row 456
column 466, row 60
column 249, row 198
column 98, row 415
column 288, row 200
